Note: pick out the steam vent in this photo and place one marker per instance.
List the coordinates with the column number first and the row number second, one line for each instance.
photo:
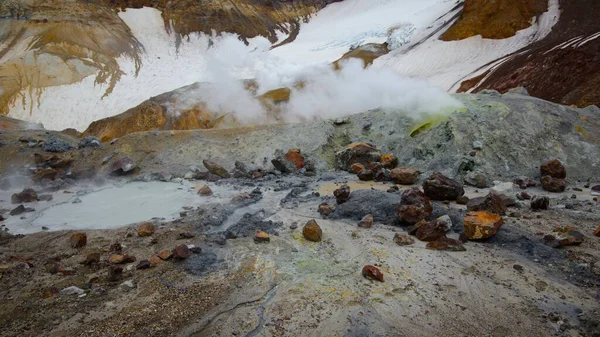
column 300, row 168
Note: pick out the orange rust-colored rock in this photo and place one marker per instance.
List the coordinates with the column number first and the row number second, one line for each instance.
column 312, row 231
column 389, row 161
column 155, row 260
column 372, row 273
column 146, row 229
column 261, row 237
column 295, row 156
column 498, row 19
column 78, row 240
column 357, row 167
column 165, row 254
column 481, row 225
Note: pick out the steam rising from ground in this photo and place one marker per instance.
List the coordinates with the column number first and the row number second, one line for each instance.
column 324, row 93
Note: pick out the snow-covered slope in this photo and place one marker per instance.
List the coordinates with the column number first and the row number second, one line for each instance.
column 411, row 26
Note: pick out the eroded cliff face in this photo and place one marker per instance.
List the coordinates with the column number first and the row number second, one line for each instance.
column 496, row 19
column 45, row 43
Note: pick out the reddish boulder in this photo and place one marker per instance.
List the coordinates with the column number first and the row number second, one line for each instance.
column 366, row 222
column 440, row 187
column 27, row 195
column 404, row 175
column 325, row 209
column 492, row 203
column 553, row 168
column 551, row 184
column 145, row 229
column 363, row 153
column 312, row 231
column 342, row 194
column 295, row 157
column 182, row 252
column 78, row 240
column 414, row 206
column 357, row 167
column 372, row 273
column 366, row 175
column 389, row 161
column 481, row 225
column 205, row 191
column 431, row 230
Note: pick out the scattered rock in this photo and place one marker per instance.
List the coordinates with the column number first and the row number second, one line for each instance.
column 27, row 195
column 282, row 164
column 389, row 161
column 194, row 249
column 215, row 168
column 393, row 189
column 402, row 239
column 123, row 165
column 312, row 231
column 414, row 206
column 366, row 222
column 78, row 240
column 45, row 174
column 52, row 266
column 404, row 175
column 181, row 252
column 481, row 225
column 18, row 210
column 120, row 259
column 540, row 203
column 551, row 184
column 154, row 260
column 205, row 191
column 524, row 196
column 446, row 219
column 363, row 153
column 597, row 231
column 366, row 175
column 56, row 144
column 374, row 166
column 240, row 170
column 295, row 157
column 431, row 230
column 563, row 236
column 114, row 273
column 91, row 258
column 462, row 200
column 342, row 194
column 524, row 182
column 89, row 141
column 357, row 167
column 146, row 229
column 262, row 237
column 445, row 243
column 596, row 190
column 554, row 169
column 492, row 203
column 73, row 290
column 127, row 285
column 372, row 273
column 165, row 254
column 440, row 187
column 185, row 235
column 325, row 209
column 477, row 145
column 477, row 179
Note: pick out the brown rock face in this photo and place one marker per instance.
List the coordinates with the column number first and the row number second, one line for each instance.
column 494, row 19
column 146, row 229
column 440, row 187
column 372, row 273
column 367, row 53
column 362, row 153
column 181, row 252
column 481, row 225
column 404, row 175
column 553, row 168
column 402, row 239
column 553, row 184
column 431, row 230
column 78, row 240
column 414, row 206
column 215, row 168
column 342, row 194
column 312, row 231
column 366, row 222
column 492, row 203
column 27, row 195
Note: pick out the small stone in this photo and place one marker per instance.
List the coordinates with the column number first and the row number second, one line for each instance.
column 357, row 167
column 518, row 268
column 154, row 260
column 123, row 165
column 325, row 209
column 596, row 190
column 481, row 225
column 114, row 273
column 563, row 236
column 477, row 145
column 525, row 182
column 215, row 168
column 445, row 243
column 366, row 175
column 372, row 273
column 295, row 157
column 181, row 252
column 72, row 291
column 342, row 194
column 52, row 266
column 78, row 240
column 597, row 231
column 165, row 254
column 189, row 175
column 144, row 264
column 18, row 210
column 27, row 195
column 91, row 258
column 261, row 237
column 523, row 196
column 389, row 161
column 360, row 152
column 551, row 184
column 446, row 219
column 404, row 175
column 440, row 187
column 145, row 229
column 127, row 285
column 312, row 231
column 366, row 222
column 492, row 203
column 554, row 169
column 205, row 191
column 462, row 200
column 431, row 230
column 540, row 203
column 414, row 206
column 477, row 179
column 294, row 226
column 382, row 175
column 402, row 239
column 185, row 235
column 120, row 259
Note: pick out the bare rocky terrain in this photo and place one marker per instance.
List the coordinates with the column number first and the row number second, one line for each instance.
column 479, row 248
